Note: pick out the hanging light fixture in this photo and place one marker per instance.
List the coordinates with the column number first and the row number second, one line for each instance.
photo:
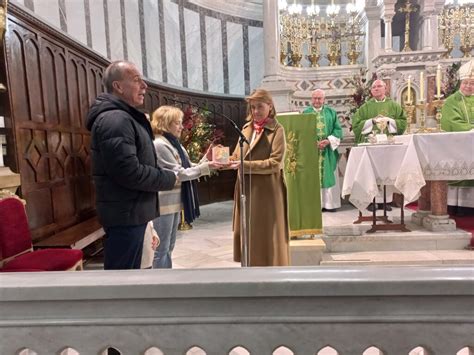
column 295, row 9
column 312, row 10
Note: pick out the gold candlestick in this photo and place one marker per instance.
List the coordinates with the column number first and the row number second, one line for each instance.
column 183, row 225
column 438, row 103
column 422, row 107
column 410, row 110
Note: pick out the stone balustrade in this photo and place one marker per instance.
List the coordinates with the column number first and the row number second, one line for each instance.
column 300, row 310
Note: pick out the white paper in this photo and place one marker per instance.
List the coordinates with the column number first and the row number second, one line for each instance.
column 381, row 138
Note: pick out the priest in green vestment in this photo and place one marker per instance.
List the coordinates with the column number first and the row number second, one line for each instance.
column 329, row 135
column 457, row 115
column 363, row 121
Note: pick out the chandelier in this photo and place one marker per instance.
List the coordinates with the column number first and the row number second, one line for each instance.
column 311, row 32
column 457, row 19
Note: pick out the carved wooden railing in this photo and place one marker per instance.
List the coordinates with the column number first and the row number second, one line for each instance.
column 353, row 310
column 52, row 80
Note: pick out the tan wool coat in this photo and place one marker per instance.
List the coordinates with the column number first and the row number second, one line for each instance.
column 267, row 211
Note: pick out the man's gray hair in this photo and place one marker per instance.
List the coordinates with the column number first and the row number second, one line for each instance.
column 114, row 72
column 319, row 90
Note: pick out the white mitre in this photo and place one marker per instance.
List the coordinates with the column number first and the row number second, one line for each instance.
column 467, row 70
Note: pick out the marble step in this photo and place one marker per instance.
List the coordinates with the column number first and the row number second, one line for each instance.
column 307, row 251
column 425, row 257
column 353, row 238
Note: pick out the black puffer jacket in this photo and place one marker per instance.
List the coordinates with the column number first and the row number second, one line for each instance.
column 124, row 167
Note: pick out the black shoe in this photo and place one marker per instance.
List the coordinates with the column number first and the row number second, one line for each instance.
column 380, row 207
column 370, row 207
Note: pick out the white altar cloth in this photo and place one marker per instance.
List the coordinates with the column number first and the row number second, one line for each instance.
column 419, row 157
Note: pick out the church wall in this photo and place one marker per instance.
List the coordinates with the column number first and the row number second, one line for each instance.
column 52, row 80
column 181, row 43
column 215, row 62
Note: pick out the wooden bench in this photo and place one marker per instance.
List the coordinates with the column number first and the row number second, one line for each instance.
column 78, row 236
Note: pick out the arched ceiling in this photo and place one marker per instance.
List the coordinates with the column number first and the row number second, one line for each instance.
column 248, row 9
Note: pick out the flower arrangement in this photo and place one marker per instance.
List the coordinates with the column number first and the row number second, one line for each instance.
column 451, row 80
column 362, row 83
column 198, row 133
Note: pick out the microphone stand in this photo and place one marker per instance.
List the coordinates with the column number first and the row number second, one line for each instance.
column 245, row 254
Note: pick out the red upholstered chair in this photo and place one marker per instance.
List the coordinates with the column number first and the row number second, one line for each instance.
column 16, row 249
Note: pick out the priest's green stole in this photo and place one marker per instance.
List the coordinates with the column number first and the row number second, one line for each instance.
column 302, row 174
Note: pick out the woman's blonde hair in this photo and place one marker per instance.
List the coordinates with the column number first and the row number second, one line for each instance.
column 162, row 118
column 262, row 96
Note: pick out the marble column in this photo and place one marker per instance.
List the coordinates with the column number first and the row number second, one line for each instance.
column 438, row 220
column 388, row 34
column 273, row 82
column 427, row 34
column 372, row 33
column 271, row 38
column 424, row 204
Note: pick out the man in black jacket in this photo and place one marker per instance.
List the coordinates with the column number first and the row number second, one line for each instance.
column 124, row 167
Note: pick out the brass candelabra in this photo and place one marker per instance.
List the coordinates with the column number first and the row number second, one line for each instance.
column 457, row 20
column 421, row 106
column 316, row 33
column 438, row 103
column 410, row 110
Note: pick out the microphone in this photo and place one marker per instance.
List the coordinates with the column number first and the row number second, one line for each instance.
column 234, row 125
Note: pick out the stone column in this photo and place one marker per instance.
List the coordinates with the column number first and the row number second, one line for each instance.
column 273, row 82
column 429, row 11
column 372, row 34
column 388, row 34
column 438, row 220
column 427, row 33
column 424, row 204
column 271, row 38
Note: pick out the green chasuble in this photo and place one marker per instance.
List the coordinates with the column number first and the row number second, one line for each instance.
column 327, row 125
column 302, row 174
column 457, row 115
column 371, row 109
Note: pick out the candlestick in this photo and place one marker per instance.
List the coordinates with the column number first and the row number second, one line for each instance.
column 409, row 89
column 422, row 87
column 438, row 81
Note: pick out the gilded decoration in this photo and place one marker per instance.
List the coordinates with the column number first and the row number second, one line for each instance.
column 291, row 154
column 320, row 135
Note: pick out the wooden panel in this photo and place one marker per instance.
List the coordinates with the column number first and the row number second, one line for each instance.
column 52, row 81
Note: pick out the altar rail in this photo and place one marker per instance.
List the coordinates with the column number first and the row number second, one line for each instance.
column 390, row 309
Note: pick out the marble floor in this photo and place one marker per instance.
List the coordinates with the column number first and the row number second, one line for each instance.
column 209, row 243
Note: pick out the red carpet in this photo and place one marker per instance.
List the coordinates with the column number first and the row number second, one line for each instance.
column 464, row 222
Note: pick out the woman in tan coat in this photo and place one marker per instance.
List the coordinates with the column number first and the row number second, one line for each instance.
column 267, row 221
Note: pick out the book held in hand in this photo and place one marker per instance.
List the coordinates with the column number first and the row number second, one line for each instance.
column 220, row 154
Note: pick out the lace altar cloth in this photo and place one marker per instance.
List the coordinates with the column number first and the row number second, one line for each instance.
column 407, row 165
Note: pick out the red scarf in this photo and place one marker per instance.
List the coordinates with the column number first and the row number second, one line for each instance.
column 258, row 125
